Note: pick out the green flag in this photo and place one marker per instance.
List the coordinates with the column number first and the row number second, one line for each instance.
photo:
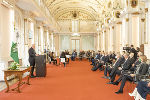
column 14, row 52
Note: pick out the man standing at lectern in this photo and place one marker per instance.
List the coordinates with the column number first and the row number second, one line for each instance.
column 32, row 55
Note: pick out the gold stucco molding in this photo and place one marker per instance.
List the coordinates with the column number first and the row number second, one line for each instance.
column 146, row 10
column 135, row 13
column 143, row 19
column 119, row 23
column 127, row 19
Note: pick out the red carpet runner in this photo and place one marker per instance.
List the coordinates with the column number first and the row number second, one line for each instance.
column 75, row 82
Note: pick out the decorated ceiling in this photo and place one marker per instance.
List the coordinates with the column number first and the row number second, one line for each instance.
column 94, row 10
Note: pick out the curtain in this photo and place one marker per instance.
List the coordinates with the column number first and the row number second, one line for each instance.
column 87, row 42
column 64, row 42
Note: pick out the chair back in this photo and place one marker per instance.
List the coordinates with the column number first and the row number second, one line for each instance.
column 67, row 56
column 62, row 60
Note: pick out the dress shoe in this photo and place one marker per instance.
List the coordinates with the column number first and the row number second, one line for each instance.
column 116, row 83
column 108, row 77
column 100, row 69
column 105, row 77
column 33, row 76
column 119, row 92
column 110, row 83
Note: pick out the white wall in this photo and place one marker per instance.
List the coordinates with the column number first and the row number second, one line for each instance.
column 6, row 35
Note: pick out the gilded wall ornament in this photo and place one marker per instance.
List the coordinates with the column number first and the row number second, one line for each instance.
column 117, row 14
column 127, row 2
column 74, row 14
column 134, row 3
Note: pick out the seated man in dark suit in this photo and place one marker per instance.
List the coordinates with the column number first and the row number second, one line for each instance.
column 132, row 68
column 81, row 54
column 97, row 57
column 88, row 54
column 116, row 64
column 142, row 69
column 113, row 55
column 101, row 62
column 74, row 55
column 137, row 62
column 92, row 56
column 125, row 66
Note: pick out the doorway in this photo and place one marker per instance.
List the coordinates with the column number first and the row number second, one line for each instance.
column 75, row 43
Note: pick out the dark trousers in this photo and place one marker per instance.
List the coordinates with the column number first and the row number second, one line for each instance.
column 124, row 79
column 107, row 70
column 89, row 59
column 97, row 67
column 68, row 60
column 100, row 65
column 73, row 58
column 93, row 62
column 113, row 76
column 32, row 70
column 64, row 64
column 80, row 58
column 143, row 89
column 55, row 61
column 32, row 64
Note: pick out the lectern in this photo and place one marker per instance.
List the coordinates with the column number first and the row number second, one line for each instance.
column 40, row 62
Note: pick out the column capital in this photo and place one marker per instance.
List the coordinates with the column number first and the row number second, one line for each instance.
column 119, row 22
column 146, row 10
column 143, row 19
column 112, row 27
column 135, row 13
column 127, row 19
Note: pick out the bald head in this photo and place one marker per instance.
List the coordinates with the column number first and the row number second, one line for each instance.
column 33, row 46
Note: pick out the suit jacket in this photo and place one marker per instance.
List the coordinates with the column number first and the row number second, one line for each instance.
column 106, row 59
column 132, row 60
column 32, row 56
column 127, row 64
column 142, row 69
column 97, row 56
column 117, row 64
column 102, row 58
column 133, row 68
column 113, row 56
column 74, row 54
column 122, row 59
column 132, row 50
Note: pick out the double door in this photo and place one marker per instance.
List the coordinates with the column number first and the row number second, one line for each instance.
column 75, row 43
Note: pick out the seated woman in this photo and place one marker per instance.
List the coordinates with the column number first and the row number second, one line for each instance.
column 141, row 69
column 141, row 91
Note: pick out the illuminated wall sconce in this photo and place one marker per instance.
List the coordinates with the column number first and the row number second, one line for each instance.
column 75, row 34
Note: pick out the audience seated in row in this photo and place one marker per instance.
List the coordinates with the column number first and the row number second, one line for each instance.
column 130, row 66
